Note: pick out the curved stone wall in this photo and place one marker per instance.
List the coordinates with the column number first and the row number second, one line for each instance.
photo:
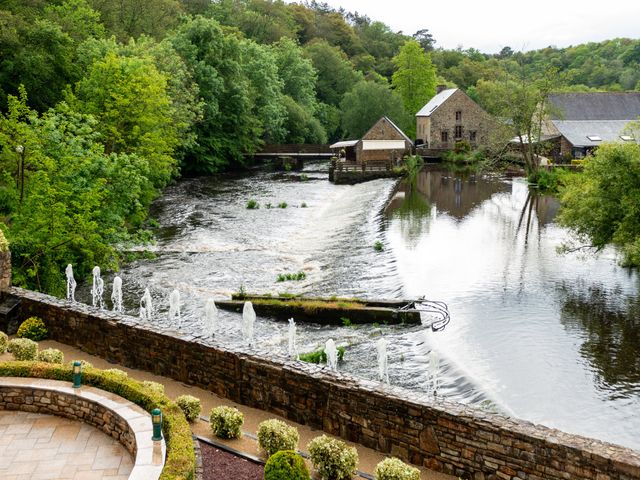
column 443, row 436
column 115, row 416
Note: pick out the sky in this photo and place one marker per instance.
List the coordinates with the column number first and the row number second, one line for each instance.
column 489, row 25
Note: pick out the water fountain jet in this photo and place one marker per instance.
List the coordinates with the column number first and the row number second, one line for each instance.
column 383, row 365
column 71, row 284
column 116, row 294
column 146, row 306
column 97, row 288
column 331, row 352
column 434, row 366
column 174, row 307
column 248, row 319
column 292, row 348
column 211, row 318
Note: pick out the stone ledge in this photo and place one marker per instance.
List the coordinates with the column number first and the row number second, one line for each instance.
column 114, row 415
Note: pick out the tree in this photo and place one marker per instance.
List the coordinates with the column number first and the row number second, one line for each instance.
column 366, row 103
column 425, row 39
column 129, row 99
column 415, row 77
column 602, row 204
column 77, row 19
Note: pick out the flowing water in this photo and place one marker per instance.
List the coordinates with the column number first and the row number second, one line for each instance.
column 550, row 338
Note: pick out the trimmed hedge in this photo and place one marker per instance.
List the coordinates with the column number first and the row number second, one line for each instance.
column 32, row 328
column 226, row 422
column 286, row 465
column 23, row 349
column 51, row 355
column 190, row 405
column 396, row 469
column 275, row 435
column 180, row 461
column 4, row 342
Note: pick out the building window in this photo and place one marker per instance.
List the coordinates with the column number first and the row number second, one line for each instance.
column 444, row 136
column 459, row 116
column 472, row 135
column 458, row 131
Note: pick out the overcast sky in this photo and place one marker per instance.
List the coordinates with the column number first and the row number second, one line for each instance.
column 489, row 25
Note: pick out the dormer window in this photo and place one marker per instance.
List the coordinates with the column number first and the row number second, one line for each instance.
column 594, row 138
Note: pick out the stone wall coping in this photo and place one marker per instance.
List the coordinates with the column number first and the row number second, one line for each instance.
column 149, row 456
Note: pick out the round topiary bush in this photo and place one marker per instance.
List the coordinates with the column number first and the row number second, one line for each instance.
column 275, row 435
column 32, row 328
column 226, row 422
column 286, row 465
column 4, row 341
column 190, row 405
column 396, row 469
column 51, row 355
column 153, row 386
column 333, row 459
column 23, row 349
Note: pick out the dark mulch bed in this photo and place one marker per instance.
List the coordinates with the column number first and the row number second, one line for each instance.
column 220, row 465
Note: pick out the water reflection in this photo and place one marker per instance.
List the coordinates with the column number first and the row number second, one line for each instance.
column 610, row 321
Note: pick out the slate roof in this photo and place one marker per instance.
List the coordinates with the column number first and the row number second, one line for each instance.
column 595, row 106
column 576, row 132
column 435, row 102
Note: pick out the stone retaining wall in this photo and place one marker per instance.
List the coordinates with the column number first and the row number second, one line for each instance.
column 449, row 437
column 115, row 416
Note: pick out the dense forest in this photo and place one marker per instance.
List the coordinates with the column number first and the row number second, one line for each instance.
column 103, row 102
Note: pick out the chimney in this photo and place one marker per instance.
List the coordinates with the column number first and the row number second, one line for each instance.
column 440, row 88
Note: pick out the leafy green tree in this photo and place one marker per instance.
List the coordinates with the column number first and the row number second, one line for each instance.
column 77, row 19
column 366, row 103
column 228, row 128
column 425, row 39
column 415, row 77
column 602, row 205
column 301, row 125
column 129, row 98
column 297, row 73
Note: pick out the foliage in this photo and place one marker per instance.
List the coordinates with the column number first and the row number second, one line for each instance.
column 549, row 181
column 180, row 459
column 319, row 356
column 51, row 355
column 253, row 204
column 275, row 435
column 283, row 205
column 378, row 246
column 4, row 341
column 366, row 103
column 395, row 469
column 32, row 328
column 601, row 205
column 286, row 465
column 288, row 277
column 333, row 459
column 83, row 364
column 226, row 422
column 190, row 405
column 117, row 374
column 415, row 77
column 153, row 386
column 23, row 349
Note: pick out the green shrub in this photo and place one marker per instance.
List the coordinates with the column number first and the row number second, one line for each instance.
column 83, row 364
column 303, row 205
column 291, row 277
column 153, row 386
column 320, row 357
column 190, row 406
column 286, row 465
column 275, row 435
column 395, row 469
column 282, row 205
column 51, row 355
column 4, row 341
column 180, row 459
column 23, row 349
column 226, row 422
column 253, row 204
column 378, row 246
column 116, row 374
column 333, row 459
column 32, row 328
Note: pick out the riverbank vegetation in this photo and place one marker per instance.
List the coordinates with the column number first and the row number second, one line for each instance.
column 104, row 103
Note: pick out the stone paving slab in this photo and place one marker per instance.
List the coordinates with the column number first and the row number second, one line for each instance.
column 34, row 446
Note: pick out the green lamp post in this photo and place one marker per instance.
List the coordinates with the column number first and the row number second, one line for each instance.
column 77, row 374
column 156, row 419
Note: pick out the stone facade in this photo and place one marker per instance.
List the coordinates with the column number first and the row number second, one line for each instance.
column 458, row 110
column 444, row 436
column 383, row 129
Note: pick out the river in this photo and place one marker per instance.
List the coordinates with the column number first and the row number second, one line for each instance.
column 548, row 337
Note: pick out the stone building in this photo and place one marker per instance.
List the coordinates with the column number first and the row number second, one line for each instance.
column 579, row 122
column 451, row 116
column 384, row 143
